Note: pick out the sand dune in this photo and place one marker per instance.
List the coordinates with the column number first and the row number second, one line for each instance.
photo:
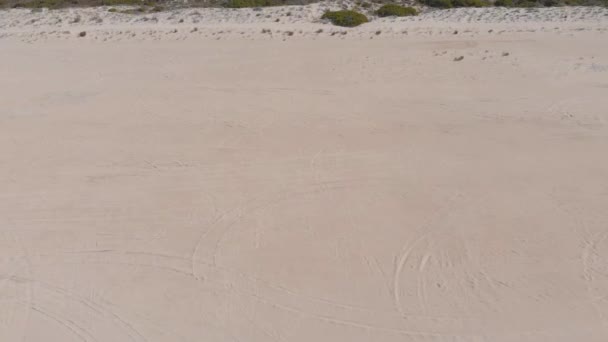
column 289, row 22
column 204, row 181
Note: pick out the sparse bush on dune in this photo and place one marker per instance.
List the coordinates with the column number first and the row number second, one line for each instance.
column 515, row 3
column 39, row 4
column 437, row 3
column 511, row 3
column 393, row 10
column 53, row 4
column 549, row 3
column 470, row 3
column 121, row 2
column 455, row 3
column 586, row 3
column 345, row 18
column 518, row 3
column 253, row 3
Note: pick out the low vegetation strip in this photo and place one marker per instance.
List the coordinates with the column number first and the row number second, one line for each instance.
column 394, row 10
column 511, row 3
column 254, row 3
column 345, row 18
column 382, row 8
column 53, row 4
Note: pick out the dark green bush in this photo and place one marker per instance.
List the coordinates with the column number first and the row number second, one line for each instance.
column 525, row 3
column 469, row 3
column 121, row 2
column 438, row 3
column 548, row 3
column 586, row 3
column 53, row 4
column 253, row 3
column 42, row 4
column 396, row 11
column 366, row 5
column 456, row 3
column 345, row 18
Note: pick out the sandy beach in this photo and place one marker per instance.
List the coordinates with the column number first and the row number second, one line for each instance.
column 216, row 175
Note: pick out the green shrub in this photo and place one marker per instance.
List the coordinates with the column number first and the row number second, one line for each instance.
column 42, row 4
column 458, row 3
column 469, row 3
column 120, row 2
column 438, row 3
column 366, row 5
column 345, row 18
column 396, row 11
column 526, row 3
column 603, row 3
column 253, row 3
column 53, row 4
column 586, row 3
column 516, row 3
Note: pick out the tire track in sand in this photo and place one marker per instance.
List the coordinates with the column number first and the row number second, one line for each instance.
column 409, row 247
column 588, row 250
column 98, row 309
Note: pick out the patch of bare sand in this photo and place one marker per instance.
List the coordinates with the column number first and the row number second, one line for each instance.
column 306, row 190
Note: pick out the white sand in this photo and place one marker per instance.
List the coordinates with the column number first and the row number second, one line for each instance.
column 208, row 185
